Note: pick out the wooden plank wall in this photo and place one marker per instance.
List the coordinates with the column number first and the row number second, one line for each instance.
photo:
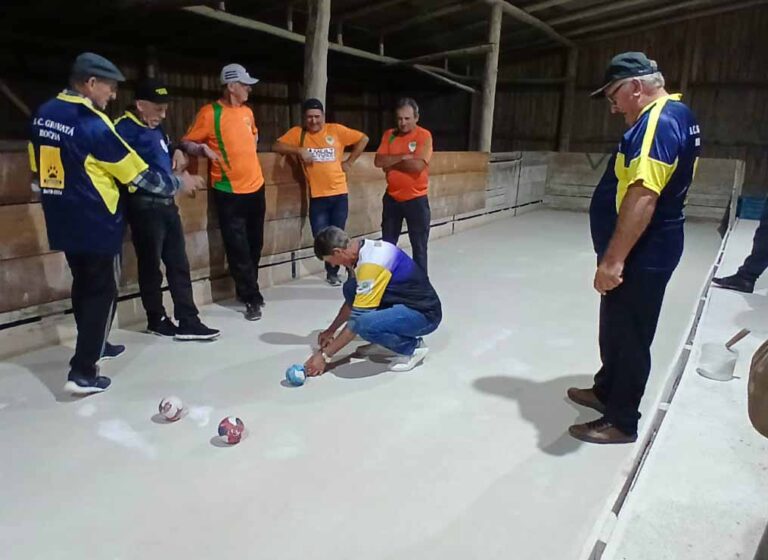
column 727, row 89
column 32, row 277
column 572, row 179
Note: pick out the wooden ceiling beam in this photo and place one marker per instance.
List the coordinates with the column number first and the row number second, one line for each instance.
column 466, row 51
column 533, row 21
column 728, row 7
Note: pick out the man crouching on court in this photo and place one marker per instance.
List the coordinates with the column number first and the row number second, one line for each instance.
column 388, row 301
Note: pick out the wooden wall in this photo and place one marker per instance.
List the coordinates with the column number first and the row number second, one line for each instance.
column 33, row 278
column 727, row 87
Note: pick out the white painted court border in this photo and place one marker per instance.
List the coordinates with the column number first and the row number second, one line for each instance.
column 465, row 457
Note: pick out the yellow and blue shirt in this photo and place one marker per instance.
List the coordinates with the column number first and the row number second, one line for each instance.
column 152, row 145
column 77, row 155
column 386, row 276
column 661, row 149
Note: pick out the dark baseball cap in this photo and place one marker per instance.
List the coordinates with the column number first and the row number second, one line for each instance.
column 93, row 65
column 312, row 103
column 626, row 65
column 152, row 90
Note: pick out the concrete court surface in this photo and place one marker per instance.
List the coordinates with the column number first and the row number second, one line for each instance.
column 465, row 457
column 703, row 490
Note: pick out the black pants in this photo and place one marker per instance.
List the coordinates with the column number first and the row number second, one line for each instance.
column 417, row 219
column 158, row 235
column 241, row 218
column 757, row 261
column 327, row 211
column 628, row 318
column 94, row 297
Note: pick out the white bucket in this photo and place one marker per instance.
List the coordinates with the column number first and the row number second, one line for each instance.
column 716, row 361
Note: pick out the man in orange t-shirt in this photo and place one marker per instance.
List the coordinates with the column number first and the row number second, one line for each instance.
column 404, row 156
column 225, row 132
column 320, row 149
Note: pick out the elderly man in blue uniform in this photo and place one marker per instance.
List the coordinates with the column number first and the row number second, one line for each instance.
column 637, row 221
column 156, row 228
column 78, row 156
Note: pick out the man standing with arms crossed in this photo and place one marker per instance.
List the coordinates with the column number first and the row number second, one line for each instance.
column 404, row 155
column 636, row 217
column 77, row 156
column 320, row 150
column 225, row 132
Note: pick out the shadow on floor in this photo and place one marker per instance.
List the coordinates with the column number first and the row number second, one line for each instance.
column 545, row 406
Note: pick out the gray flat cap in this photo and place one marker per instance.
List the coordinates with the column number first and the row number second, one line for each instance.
column 92, row 64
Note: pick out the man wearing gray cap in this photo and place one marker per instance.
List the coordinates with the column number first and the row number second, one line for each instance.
column 225, row 132
column 77, row 156
column 636, row 218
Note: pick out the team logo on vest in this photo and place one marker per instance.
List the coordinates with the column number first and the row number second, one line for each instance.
column 412, row 146
column 164, row 145
column 51, row 168
column 329, row 140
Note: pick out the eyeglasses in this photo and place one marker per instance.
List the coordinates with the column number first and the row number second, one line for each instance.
column 611, row 96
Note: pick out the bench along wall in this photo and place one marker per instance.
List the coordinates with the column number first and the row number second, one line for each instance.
column 35, row 281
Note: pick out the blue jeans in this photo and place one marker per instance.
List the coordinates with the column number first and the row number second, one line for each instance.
column 417, row 215
column 397, row 328
column 757, row 261
column 327, row 211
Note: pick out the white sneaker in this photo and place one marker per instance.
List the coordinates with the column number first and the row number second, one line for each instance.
column 407, row 363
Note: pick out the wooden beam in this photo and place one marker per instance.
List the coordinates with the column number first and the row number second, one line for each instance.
column 477, row 49
column 533, row 81
column 525, row 17
column 430, row 72
column 598, row 10
column 566, row 108
column 368, row 9
column 679, row 19
column 298, row 38
column 544, row 5
column 316, row 49
column 444, row 11
column 688, row 57
column 490, row 75
column 444, row 35
column 676, row 6
column 15, row 99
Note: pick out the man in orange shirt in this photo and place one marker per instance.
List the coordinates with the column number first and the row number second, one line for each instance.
column 320, row 149
column 404, row 156
column 225, row 132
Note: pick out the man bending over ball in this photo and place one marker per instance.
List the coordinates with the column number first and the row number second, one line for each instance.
column 388, row 300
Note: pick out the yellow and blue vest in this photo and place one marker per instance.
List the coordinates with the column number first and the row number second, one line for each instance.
column 152, row 145
column 661, row 149
column 77, row 155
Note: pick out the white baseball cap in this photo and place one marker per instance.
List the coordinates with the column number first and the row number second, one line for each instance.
column 232, row 73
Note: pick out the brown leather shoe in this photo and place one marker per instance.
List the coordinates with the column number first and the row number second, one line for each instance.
column 600, row 431
column 586, row 397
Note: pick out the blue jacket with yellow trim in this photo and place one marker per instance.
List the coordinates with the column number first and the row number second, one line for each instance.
column 661, row 149
column 77, row 154
column 152, row 145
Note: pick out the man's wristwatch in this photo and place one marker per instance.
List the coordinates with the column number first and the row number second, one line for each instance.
column 326, row 357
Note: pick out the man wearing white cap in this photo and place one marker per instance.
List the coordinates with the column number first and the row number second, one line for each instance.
column 225, row 132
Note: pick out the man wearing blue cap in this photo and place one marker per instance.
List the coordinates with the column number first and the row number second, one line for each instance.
column 77, row 156
column 636, row 218
column 156, row 228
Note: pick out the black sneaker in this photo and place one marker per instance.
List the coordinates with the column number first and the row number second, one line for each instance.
column 163, row 327
column 252, row 311
column 195, row 331
column 81, row 385
column 111, row 351
column 735, row 282
column 333, row 279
